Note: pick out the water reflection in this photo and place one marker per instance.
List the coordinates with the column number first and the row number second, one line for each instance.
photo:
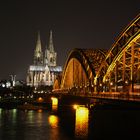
column 54, row 108
column 81, row 124
column 53, row 121
column 39, row 117
column 0, row 112
column 0, row 116
column 30, row 116
column 54, row 131
column 14, row 115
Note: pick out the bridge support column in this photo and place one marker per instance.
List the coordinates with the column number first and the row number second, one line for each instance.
column 132, row 68
column 116, row 76
column 123, row 70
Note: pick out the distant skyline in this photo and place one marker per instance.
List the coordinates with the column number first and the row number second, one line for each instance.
column 74, row 23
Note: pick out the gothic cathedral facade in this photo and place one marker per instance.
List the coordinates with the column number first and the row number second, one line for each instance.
column 44, row 69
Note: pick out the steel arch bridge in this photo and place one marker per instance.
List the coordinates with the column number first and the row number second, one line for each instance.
column 81, row 67
column 102, row 71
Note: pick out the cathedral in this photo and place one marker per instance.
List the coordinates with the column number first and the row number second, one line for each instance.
column 44, row 69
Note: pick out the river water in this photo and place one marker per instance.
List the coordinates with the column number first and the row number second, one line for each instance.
column 69, row 124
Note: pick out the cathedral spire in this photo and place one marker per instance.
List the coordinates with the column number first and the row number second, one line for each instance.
column 51, row 48
column 38, row 55
column 50, row 54
column 38, row 44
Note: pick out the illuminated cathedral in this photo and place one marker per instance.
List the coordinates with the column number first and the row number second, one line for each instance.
column 44, row 69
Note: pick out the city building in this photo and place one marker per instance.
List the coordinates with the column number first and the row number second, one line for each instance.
column 44, row 69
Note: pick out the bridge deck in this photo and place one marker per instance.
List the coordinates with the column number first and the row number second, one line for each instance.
column 107, row 95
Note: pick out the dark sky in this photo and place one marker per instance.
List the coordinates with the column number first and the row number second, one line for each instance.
column 75, row 24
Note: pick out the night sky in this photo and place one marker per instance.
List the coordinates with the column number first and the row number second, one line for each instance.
column 75, row 24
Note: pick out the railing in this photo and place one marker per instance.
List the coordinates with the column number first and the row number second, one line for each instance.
column 118, row 96
column 128, row 96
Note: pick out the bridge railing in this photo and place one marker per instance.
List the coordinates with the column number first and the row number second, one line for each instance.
column 118, row 95
column 130, row 96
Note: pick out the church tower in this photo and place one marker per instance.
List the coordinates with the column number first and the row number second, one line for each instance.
column 38, row 54
column 50, row 54
column 43, row 71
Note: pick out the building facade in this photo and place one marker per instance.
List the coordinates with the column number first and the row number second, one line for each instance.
column 44, row 69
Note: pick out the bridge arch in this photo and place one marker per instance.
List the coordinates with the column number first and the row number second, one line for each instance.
column 106, row 71
column 81, row 67
column 123, row 60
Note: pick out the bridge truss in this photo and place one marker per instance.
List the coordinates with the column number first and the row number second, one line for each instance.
column 101, row 71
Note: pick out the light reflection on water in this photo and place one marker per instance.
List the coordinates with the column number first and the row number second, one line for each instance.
column 44, row 125
column 40, row 124
column 13, row 115
column 30, row 125
column 54, row 108
column 54, row 127
column 30, row 116
column 0, row 116
column 81, row 123
column 53, row 121
column 39, row 119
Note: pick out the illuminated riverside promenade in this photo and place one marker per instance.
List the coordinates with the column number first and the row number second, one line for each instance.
column 112, row 74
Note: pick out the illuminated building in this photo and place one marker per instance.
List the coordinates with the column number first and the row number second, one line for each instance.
column 44, row 70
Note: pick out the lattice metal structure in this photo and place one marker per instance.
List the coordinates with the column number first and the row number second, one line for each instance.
column 81, row 67
column 121, row 66
column 103, row 71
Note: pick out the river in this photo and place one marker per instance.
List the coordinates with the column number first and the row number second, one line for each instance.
column 101, row 123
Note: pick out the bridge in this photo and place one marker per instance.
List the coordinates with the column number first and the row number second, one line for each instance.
column 111, row 74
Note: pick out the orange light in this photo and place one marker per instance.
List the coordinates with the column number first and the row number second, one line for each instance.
column 40, row 110
column 54, row 101
column 75, row 106
column 81, row 123
column 53, row 121
column 40, row 99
